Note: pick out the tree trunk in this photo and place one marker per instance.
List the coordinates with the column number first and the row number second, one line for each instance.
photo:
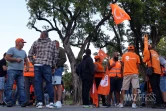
column 77, row 86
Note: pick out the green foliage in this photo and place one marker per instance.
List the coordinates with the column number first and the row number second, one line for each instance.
column 147, row 16
column 67, row 79
column 161, row 47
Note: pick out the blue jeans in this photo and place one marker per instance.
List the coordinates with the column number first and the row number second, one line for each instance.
column 143, row 92
column 43, row 72
column 16, row 75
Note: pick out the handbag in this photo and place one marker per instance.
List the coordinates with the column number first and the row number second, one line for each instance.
column 149, row 70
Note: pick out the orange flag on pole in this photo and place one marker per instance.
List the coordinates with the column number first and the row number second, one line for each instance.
column 104, row 87
column 119, row 14
column 94, row 95
column 102, row 55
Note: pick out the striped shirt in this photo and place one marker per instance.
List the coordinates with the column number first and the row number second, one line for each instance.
column 45, row 52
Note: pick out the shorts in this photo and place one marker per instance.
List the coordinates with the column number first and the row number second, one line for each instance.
column 163, row 83
column 2, row 83
column 58, row 72
column 133, row 79
column 116, row 84
column 56, row 80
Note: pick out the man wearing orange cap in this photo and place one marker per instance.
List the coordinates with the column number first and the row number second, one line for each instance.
column 16, row 58
column 130, row 62
column 99, row 73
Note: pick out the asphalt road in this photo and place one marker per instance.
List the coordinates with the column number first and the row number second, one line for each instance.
column 76, row 108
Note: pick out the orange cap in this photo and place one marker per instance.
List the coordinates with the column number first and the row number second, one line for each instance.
column 97, row 57
column 130, row 47
column 20, row 40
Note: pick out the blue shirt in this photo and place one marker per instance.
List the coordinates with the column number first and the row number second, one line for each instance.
column 16, row 54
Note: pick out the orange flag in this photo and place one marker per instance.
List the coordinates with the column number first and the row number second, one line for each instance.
column 102, row 55
column 94, row 95
column 119, row 14
column 104, row 87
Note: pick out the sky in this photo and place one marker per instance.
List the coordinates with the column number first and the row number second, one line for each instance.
column 13, row 25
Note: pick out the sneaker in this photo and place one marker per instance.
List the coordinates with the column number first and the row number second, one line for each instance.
column 142, row 105
column 24, row 104
column 134, row 105
column 2, row 104
column 120, row 105
column 162, row 106
column 108, row 105
column 104, row 104
column 9, row 104
column 51, row 106
column 58, row 104
column 39, row 105
column 86, row 106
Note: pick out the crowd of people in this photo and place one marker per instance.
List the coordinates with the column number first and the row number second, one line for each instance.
column 33, row 78
column 26, row 78
column 125, row 79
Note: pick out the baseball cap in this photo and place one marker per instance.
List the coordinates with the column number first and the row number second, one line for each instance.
column 97, row 57
column 130, row 47
column 20, row 40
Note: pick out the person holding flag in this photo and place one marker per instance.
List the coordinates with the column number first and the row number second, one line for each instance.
column 151, row 57
column 99, row 73
column 104, row 86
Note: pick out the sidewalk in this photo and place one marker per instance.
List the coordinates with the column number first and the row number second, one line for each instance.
column 76, row 108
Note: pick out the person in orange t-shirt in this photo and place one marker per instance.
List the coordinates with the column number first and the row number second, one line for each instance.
column 130, row 62
column 99, row 73
column 154, row 61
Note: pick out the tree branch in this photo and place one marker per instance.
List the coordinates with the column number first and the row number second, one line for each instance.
column 73, row 28
column 107, row 43
column 103, row 20
column 40, row 18
column 57, row 29
column 82, row 49
column 64, row 24
column 76, row 45
column 70, row 27
column 36, row 28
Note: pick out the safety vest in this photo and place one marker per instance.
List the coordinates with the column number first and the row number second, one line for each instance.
column 116, row 70
column 100, row 68
column 31, row 71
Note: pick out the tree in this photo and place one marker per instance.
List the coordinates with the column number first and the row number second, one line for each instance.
column 161, row 47
column 146, row 17
column 75, row 24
